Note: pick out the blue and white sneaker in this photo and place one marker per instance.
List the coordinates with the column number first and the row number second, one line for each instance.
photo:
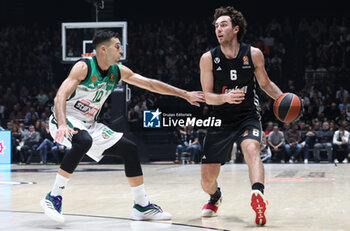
column 149, row 212
column 52, row 207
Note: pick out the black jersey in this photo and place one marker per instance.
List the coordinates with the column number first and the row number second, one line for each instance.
column 235, row 74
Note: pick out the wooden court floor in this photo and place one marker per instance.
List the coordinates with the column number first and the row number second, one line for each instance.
column 97, row 197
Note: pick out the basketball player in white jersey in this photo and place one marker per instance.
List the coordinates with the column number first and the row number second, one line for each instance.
column 73, row 123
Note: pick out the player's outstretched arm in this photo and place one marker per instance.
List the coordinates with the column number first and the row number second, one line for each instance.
column 76, row 75
column 207, row 81
column 264, row 81
column 193, row 97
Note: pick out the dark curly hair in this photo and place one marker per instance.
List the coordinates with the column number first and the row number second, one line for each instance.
column 237, row 19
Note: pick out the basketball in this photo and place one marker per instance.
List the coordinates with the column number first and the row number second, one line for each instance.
column 288, row 107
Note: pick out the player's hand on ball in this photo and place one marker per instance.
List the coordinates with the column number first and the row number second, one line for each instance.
column 194, row 97
column 63, row 131
column 234, row 97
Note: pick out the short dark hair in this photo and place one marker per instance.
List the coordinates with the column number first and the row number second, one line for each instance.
column 237, row 19
column 102, row 36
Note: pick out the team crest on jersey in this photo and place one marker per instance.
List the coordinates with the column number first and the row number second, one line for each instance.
column 107, row 133
column 94, row 78
column 216, row 60
column 111, row 79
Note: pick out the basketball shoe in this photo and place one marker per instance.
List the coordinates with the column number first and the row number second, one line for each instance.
column 52, row 207
column 149, row 212
column 259, row 205
column 210, row 209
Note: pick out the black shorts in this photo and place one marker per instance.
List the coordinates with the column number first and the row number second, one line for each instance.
column 219, row 141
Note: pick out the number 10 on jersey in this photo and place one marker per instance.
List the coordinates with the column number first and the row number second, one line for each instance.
column 98, row 96
column 233, row 74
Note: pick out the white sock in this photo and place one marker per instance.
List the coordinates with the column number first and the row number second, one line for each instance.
column 139, row 195
column 59, row 185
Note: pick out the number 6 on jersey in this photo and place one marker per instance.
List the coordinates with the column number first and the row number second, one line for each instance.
column 233, row 74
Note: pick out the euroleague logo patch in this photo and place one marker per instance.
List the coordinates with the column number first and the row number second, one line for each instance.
column 245, row 133
column 111, row 79
column 254, row 132
column 245, row 60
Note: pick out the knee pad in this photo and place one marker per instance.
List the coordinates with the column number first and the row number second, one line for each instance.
column 83, row 139
column 132, row 153
column 128, row 151
column 81, row 143
column 131, row 160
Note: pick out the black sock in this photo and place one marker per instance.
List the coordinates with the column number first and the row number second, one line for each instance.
column 215, row 197
column 258, row 186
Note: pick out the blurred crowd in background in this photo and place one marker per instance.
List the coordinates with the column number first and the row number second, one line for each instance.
column 309, row 57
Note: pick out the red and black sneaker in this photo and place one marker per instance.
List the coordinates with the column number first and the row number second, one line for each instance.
column 259, row 205
column 210, row 209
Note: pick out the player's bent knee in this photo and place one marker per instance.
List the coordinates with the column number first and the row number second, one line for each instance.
column 207, row 185
column 83, row 139
column 81, row 143
column 251, row 146
column 252, row 151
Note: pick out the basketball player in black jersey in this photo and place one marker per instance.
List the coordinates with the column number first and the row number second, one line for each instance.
column 229, row 74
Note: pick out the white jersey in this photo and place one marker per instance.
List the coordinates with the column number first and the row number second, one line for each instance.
column 83, row 107
column 88, row 98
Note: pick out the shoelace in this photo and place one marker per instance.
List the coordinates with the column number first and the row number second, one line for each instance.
column 156, row 206
column 57, row 202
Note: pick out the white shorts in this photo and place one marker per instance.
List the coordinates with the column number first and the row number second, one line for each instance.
column 102, row 136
